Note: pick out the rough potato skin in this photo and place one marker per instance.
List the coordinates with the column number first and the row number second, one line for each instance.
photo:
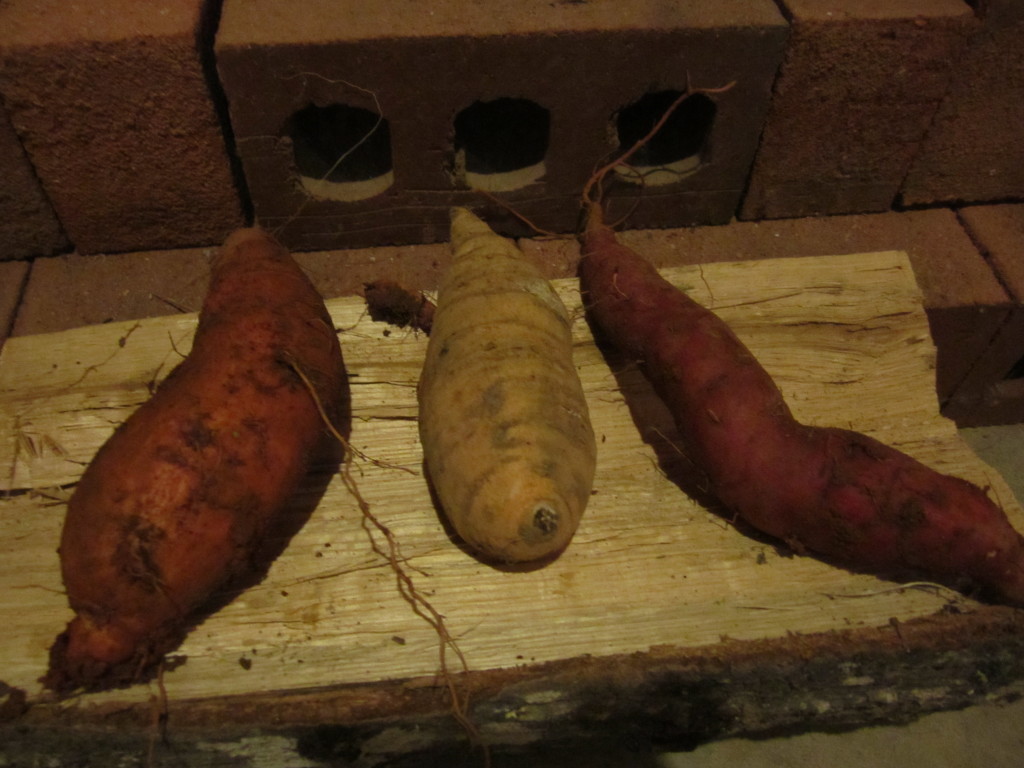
column 829, row 491
column 503, row 420
column 175, row 504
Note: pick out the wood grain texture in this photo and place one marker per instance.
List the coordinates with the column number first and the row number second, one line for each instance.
column 845, row 337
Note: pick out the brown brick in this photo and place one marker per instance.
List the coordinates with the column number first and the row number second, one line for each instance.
column 964, row 302
column 993, row 390
column 856, row 91
column 28, row 225
column 974, row 151
column 583, row 62
column 112, row 104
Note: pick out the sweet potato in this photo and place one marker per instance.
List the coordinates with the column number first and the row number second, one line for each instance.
column 505, row 427
column 829, row 491
column 176, row 504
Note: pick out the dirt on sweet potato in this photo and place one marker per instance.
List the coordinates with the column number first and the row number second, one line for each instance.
column 177, row 504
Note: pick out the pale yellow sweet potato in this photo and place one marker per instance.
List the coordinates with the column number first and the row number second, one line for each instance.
column 503, row 420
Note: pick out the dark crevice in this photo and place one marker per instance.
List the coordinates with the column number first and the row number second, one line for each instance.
column 9, row 322
column 784, row 10
column 61, row 242
column 980, row 7
column 900, row 206
column 1016, row 371
column 206, row 35
column 986, row 255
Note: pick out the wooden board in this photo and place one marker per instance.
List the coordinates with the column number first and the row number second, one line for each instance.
column 845, row 337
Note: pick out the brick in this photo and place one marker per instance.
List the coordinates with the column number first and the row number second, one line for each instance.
column 964, row 301
column 999, row 232
column 28, row 225
column 343, row 272
column 993, row 390
column 856, row 92
column 974, row 151
column 112, row 104
column 73, row 290
column 12, row 282
column 584, row 63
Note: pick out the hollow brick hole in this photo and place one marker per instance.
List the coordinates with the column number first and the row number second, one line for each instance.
column 678, row 149
column 341, row 152
column 500, row 145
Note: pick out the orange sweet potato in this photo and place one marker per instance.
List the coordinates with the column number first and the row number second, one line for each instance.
column 829, row 491
column 176, row 504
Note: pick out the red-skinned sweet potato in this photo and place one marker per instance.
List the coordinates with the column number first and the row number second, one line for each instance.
column 176, row 504
column 829, row 491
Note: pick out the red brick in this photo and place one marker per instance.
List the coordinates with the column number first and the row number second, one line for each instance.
column 111, row 102
column 974, row 150
column 857, row 89
column 993, row 390
column 28, row 225
column 584, row 62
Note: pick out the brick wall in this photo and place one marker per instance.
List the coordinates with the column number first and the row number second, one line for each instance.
column 148, row 127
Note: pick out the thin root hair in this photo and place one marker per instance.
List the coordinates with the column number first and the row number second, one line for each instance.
column 421, row 606
column 597, row 178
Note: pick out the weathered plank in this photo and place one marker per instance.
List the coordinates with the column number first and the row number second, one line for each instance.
column 845, row 337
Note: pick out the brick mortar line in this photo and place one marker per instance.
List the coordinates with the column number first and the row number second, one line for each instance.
column 5, row 331
column 985, row 253
column 206, row 34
